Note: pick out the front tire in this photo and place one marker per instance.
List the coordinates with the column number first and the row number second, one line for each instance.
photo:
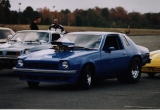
column 0, row 69
column 32, row 84
column 133, row 74
column 85, row 78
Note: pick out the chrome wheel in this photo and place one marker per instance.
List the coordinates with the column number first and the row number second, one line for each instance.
column 135, row 71
column 89, row 79
column 85, row 78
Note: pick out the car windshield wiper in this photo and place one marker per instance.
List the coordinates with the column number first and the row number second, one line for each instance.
column 80, row 47
column 90, row 49
column 13, row 40
column 76, row 47
column 30, row 41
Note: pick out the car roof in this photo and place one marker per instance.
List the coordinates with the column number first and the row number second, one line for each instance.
column 4, row 28
column 94, row 32
column 37, row 31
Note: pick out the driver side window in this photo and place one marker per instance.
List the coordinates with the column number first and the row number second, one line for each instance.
column 113, row 41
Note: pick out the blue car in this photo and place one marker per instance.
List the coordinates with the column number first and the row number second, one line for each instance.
column 83, row 57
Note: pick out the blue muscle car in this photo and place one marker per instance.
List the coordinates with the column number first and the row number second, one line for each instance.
column 82, row 57
column 24, row 42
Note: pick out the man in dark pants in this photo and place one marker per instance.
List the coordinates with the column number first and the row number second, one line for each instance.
column 57, row 27
column 33, row 25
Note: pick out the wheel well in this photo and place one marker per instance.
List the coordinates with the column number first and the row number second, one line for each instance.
column 139, row 57
column 92, row 68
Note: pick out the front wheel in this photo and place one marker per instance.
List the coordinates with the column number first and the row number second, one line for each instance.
column 32, row 84
column 0, row 68
column 85, row 78
column 133, row 74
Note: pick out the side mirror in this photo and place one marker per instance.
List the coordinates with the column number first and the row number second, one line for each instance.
column 111, row 48
column 9, row 37
column 42, row 41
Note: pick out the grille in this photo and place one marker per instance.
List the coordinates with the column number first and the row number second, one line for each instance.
column 0, row 52
column 7, row 63
column 13, row 53
column 41, row 65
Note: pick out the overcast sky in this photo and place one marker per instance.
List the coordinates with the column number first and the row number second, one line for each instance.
column 142, row 6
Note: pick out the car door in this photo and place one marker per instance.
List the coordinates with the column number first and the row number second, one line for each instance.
column 114, row 58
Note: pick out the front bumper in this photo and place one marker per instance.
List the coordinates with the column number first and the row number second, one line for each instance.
column 151, row 69
column 42, row 75
column 44, row 71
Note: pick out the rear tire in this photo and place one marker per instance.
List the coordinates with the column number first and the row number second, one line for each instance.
column 133, row 74
column 32, row 84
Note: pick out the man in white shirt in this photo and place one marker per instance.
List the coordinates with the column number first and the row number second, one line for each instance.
column 57, row 27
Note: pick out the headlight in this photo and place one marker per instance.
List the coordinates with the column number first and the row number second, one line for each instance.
column 65, row 64
column 26, row 51
column 20, row 63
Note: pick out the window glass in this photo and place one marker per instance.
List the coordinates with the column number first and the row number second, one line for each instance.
column 113, row 41
column 87, row 41
column 125, row 40
column 4, row 34
column 31, row 36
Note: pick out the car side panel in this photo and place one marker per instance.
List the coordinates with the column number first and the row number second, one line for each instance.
column 114, row 62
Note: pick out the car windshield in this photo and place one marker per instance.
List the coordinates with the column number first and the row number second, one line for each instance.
column 86, row 41
column 4, row 34
column 31, row 37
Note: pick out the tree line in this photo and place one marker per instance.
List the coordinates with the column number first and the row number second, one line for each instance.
column 116, row 17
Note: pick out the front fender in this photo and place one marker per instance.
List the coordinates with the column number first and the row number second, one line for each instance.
column 81, row 61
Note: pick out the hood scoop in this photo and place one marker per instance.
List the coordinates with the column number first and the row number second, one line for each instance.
column 61, row 46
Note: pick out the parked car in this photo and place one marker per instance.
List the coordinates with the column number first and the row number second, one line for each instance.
column 82, row 57
column 5, row 33
column 24, row 42
column 154, row 67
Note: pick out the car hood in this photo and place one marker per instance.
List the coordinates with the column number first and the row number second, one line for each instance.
column 18, row 45
column 50, row 54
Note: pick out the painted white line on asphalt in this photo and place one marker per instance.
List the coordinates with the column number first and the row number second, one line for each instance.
column 140, row 107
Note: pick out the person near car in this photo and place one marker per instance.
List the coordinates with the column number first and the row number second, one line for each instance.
column 33, row 25
column 56, row 27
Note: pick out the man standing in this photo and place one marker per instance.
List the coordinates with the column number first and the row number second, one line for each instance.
column 57, row 27
column 33, row 25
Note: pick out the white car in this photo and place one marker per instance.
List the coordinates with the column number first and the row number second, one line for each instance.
column 5, row 33
column 24, row 42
